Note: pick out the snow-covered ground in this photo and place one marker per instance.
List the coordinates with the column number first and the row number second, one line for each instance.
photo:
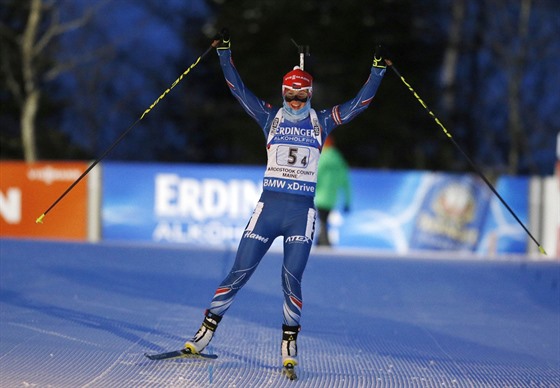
column 83, row 315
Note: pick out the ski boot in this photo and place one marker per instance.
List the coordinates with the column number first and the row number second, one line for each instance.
column 289, row 350
column 204, row 335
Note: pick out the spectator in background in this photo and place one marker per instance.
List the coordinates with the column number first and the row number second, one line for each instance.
column 332, row 179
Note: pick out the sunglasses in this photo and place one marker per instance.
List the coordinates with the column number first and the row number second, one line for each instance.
column 299, row 96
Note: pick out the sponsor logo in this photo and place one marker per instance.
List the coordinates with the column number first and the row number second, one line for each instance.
column 254, row 236
column 316, row 128
column 455, row 202
column 295, row 131
column 298, row 239
column 292, row 186
column 454, row 207
column 203, row 199
column 274, row 183
column 49, row 174
column 296, row 186
column 210, row 233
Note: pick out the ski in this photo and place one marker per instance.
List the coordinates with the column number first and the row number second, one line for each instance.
column 290, row 372
column 182, row 353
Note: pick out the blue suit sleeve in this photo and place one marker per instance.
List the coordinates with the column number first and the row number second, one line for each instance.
column 261, row 111
column 344, row 113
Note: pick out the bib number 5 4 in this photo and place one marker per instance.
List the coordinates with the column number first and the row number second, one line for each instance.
column 292, row 156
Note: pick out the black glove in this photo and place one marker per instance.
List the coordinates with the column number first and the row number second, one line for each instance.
column 378, row 57
column 224, row 40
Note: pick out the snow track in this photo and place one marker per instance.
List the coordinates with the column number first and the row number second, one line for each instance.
column 83, row 315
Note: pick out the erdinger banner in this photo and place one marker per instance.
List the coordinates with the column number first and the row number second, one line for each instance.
column 192, row 204
column 397, row 211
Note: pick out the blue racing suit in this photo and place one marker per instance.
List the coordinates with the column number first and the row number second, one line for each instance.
column 286, row 206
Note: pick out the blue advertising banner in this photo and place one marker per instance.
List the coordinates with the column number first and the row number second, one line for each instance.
column 402, row 211
column 451, row 214
column 501, row 232
column 195, row 204
column 384, row 204
column 397, row 211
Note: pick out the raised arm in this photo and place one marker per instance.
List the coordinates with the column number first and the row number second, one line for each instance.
column 343, row 113
column 258, row 109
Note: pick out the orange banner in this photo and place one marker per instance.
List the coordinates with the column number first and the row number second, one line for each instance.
column 28, row 189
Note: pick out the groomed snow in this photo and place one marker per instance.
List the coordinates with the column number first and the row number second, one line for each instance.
column 83, row 315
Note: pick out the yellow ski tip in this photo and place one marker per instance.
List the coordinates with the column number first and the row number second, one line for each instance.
column 541, row 250
column 40, row 219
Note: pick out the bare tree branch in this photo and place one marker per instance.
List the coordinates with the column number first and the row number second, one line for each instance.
column 56, row 28
column 11, row 81
column 42, row 27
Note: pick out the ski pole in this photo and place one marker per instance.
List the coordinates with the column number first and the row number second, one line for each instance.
column 122, row 136
column 303, row 52
column 473, row 165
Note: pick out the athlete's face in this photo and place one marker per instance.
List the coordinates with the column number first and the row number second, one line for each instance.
column 296, row 98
